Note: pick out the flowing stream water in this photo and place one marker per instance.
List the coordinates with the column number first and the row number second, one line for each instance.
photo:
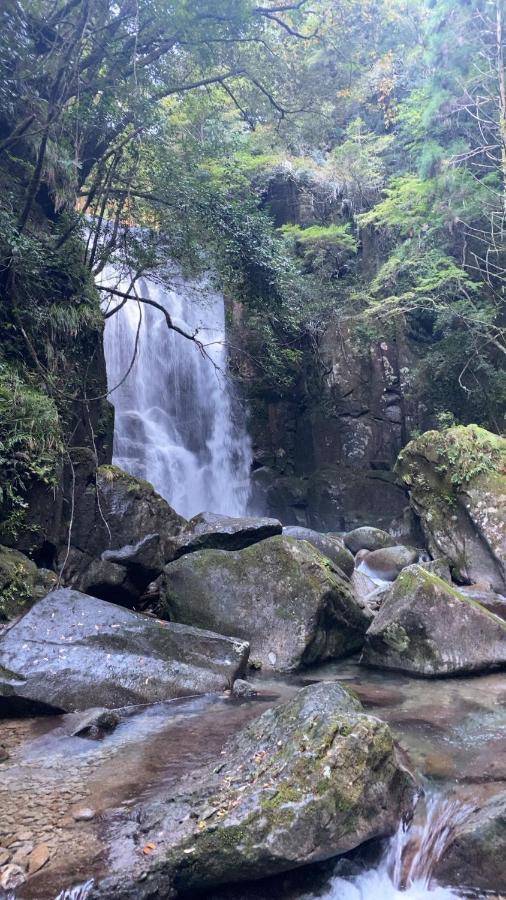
column 453, row 732
column 177, row 421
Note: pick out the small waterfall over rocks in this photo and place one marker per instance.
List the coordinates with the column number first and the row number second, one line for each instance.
column 405, row 871
column 177, row 422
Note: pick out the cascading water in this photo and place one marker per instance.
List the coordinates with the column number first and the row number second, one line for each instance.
column 177, row 423
column 405, row 871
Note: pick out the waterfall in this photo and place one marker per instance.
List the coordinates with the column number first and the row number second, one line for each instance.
column 405, row 871
column 177, row 422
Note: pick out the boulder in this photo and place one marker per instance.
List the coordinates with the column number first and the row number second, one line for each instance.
column 93, row 722
column 388, row 563
column 367, row 538
column 100, row 578
column 292, row 604
column 208, row 531
column 495, row 603
column 329, row 545
column 122, row 534
column 21, row 583
column 457, row 484
column 368, row 592
column 427, row 627
column 72, row 651
column 306, row 781
column 475, row 858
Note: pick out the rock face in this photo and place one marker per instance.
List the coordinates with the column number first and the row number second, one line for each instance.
column 475, row 858
column 388, row 563
column 72, row 652
column 208, row 531
column 122, row 534
column 427, row 627
column 21, row 583
column 329, row 545
column 308, row 780
column 457, row 485
column 281, row 595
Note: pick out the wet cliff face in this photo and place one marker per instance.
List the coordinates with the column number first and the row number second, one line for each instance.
column 324, row 451
column 327, row 461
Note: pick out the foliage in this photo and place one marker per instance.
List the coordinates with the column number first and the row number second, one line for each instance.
column 30, row 444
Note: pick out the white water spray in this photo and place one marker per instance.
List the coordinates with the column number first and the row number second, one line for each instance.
column 405, row 872
column 177, row 423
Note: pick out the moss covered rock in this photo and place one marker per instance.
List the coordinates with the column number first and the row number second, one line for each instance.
column 21, row 583
column 368, row 538
column 305, row 781
column 290, row 602
column 457, row 485
column 427, row 627
column 122, row 534
column 328, row 544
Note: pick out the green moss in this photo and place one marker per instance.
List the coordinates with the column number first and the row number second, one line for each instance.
column 459, row 455
column 31, row 446
column 112, row 473
column 285, row 794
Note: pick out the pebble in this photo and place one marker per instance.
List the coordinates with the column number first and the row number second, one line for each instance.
column 21, row 855
column 4, row 856
column 24, row 835
column 86, row 814
column 11, row 877
column 38, row 858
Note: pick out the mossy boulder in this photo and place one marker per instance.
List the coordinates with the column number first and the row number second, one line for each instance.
column 72, row 652
column 21, row 583
column 293, row 605
column 122, row 534
column 209, row 531
column 368, row 538
column 476, row 856
column 328, row 544
column 306, row 781
column 427, row 627
column 457, row 484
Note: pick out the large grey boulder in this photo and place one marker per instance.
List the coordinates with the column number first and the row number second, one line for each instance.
column 122, row 534
column 21, row 583
column 457, row 485
column 208, row 531
column 476, row 856
column 427, row 627
column 292, row 604
column 73, row 652
column 368, row 538
column 306, row 781
column 329, row 545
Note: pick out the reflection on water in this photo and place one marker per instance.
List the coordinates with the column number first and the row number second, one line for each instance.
column 453, row 732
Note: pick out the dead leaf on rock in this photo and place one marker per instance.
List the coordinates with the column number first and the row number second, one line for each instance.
column 149, row 848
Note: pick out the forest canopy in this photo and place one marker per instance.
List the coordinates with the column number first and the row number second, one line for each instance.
column 323, row 158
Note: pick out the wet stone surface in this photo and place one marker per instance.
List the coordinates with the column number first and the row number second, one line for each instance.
column 452, row 731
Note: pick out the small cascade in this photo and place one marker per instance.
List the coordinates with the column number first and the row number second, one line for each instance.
column 405, row 871
column 177, row 422
column 78, row 892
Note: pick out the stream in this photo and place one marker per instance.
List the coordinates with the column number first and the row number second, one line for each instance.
column 452, row 730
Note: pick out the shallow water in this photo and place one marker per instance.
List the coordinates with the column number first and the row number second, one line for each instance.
column 452, row 730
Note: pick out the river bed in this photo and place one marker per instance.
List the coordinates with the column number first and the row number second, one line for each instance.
column 452, row 732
